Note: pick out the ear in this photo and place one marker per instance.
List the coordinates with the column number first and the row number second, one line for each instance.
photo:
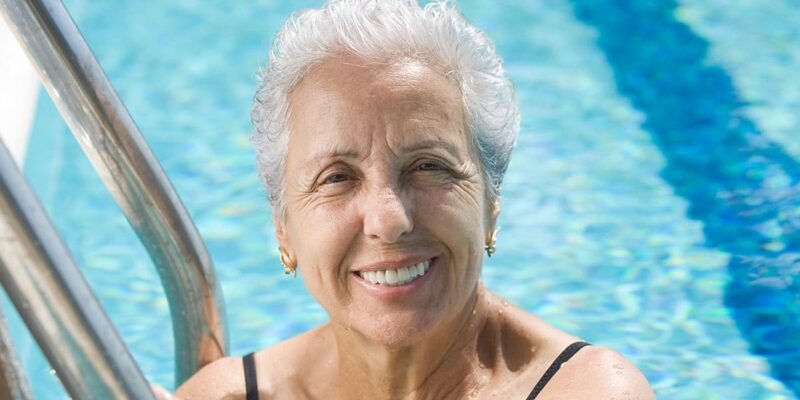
column 285, row 252
column 278, row 221
column 494, row 212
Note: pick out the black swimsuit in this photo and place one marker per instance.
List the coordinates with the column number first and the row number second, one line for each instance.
column 251, row 384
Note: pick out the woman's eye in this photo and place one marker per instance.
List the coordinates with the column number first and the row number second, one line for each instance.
column 430, row 166
column 336, row 178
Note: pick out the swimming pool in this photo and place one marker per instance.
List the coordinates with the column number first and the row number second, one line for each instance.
column 652, row 204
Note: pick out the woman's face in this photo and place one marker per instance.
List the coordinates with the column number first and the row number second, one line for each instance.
column 383, row 184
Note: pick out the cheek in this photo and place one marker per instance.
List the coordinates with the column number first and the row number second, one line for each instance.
column 321, row 238
column 456, row 219
column 456, row 222
column 455, row 212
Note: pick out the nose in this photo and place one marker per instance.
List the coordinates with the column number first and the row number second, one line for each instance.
column 386, row 216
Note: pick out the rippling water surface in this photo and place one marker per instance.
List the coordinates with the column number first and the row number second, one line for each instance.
column 652, row 204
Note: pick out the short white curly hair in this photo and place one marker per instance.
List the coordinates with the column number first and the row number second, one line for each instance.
column 386, row 31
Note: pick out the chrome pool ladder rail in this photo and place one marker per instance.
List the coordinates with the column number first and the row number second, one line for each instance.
column 56, row 302
column 108, row 135
column 14, row 384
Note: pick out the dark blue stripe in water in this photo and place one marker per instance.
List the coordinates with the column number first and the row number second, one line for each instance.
column 741, row 185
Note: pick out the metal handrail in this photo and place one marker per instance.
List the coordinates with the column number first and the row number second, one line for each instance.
column 130, row 171
column 13, row 383
column 56, row 303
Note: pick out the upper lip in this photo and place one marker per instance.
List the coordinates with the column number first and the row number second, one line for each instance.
column 383, row 265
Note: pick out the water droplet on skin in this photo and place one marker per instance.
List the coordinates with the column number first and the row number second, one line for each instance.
column 505, row 303
column 500, row 312
column 481, row 365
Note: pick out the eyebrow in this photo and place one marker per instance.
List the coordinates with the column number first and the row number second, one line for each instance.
column 336, row 153
column 421, row 145
column 432, row 143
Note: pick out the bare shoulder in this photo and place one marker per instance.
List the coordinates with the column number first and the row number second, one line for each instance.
column 597, row 372
column 594, row 372
column 277, row 372
column 284, row 370
column 222, row 379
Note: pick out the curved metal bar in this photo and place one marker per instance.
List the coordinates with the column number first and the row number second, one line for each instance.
column 13, row 383
column 119, row 153
column 55, row 301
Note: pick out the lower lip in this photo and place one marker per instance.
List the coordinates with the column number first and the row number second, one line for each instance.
column 386, row 292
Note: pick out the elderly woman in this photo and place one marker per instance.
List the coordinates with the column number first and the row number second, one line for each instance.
column 383, row 131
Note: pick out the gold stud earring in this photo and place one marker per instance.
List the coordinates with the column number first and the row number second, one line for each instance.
column 288, row 266
column 491, row 244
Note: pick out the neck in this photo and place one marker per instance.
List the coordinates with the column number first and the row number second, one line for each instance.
column 443, row 363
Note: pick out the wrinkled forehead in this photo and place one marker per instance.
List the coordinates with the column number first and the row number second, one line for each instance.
column 352, row 85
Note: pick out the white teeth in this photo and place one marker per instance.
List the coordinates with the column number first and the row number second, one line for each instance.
column 395, row 277
column 403, row 274
column 391, row 276
column 380, row 277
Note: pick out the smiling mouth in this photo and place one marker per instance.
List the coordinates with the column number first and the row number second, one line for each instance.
column 396, row 277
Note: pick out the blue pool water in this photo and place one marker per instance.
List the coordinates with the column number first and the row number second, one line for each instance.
column 652, row 205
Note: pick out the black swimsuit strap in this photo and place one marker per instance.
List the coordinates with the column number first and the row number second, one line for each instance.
column 250, row 380
column 554, row 367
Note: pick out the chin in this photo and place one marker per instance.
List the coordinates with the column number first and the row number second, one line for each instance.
column 398, row 331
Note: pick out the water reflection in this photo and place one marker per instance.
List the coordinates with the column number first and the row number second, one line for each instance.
column 741, row 185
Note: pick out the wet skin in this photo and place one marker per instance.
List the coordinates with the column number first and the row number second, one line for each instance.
column 381, row 173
